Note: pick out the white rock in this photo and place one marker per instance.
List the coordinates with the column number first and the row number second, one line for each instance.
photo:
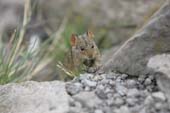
column 89, row 83
column 90, row 99
column 160, row 63
column 98, row 111
column 123, row 109
column 159, row 95
column 34, row 97
column 133, row 92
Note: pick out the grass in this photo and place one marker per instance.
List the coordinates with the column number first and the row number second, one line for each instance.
column 17, row 64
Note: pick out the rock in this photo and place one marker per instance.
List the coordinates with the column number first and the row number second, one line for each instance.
column 89, row 83
column 87, row 88
column 149, row 100
column 133, row 93
column 121, row 90
column 124, row 76
column 132, row 57
column 161, row 65
column 98, row 111
column 158, row 106
column 131, row 101
column 119, row 98
column 141, row 78
column 34, row 97
column 88, row 99
column 123, row 109
column 131, row 83
column 147, row 81
column 159, row 96
column 85, row 76
column 111, row 76
column 101, row 94
column 118, row 101
column 110, row 102
column 74, row 88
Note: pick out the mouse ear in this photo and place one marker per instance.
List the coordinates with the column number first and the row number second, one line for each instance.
column 73, row 39
column 90, row 34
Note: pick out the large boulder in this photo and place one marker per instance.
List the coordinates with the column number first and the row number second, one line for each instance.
column 152, row 39
column 34, row 97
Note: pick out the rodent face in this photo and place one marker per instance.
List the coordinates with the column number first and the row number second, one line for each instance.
column 86, row 49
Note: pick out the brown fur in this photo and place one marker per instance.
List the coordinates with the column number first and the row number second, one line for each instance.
column 84, row 54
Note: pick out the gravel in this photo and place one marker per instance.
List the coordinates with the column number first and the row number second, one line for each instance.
column 116, row 93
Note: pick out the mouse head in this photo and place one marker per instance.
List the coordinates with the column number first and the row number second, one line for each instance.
column 84, row 47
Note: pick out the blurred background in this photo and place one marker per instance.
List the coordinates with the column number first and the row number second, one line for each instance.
column 34, row 34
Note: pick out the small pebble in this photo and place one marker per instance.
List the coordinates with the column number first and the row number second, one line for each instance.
column 89, row 83
column 118, row 101
column 131, row 101
column 148, row 100
column 159, row 95
column 110, row 102
column 124, row 76
column 110, row 76
column 131, row 83
column 148, row 81
column 74, row 88
column 98, row 111
column 101, row 94
column 141, row 78
column 133, row 93
column 78, row 104
column 87, row 88
column 158, row 106
column 123, row 109
column 121, row 89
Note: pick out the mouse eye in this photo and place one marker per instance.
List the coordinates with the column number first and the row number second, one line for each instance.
column 92, row 46
column 82, row 49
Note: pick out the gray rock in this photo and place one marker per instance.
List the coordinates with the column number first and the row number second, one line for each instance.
column 131, row 83
column 34, row 97
column 105, row 81
column 161, row 64
column 111, row 76
column 132, row 57
column 133, row 93
column 101, row 94
column 85, row 76
column 158, row 106
column 159, row 96
column 89, row 83
column 123, row 109
column 149, row 100
column 148, row 81
column 121, row 89
column 110, row 102
column 124, row 76
column 141, row 78
column 119, row 101
column 87, row 88
column 74, row 88
column 88, row 99
column 131, row 101
column 98, row 111
column 100, row 87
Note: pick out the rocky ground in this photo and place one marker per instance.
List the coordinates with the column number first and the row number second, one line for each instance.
column 88, row 93
column 116, row 93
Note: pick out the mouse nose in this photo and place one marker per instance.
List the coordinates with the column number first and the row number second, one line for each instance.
column 91, row 59
column 89, row 62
